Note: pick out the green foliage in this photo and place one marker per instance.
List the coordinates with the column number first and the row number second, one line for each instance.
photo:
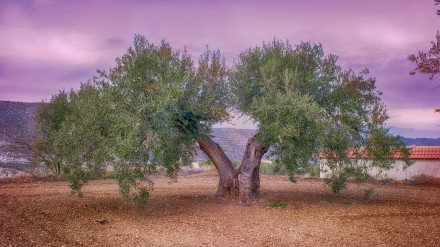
column 337, row 183
column 272, row 168
column 276, row 168
column 73, row 133
column 108, row 175
column 49, row 119
column 277, row 203
column 207, row 163
column 147, row 112
column 236, row 164
column 141, row 198
column 267, row 168
column 307, row 106
column 143, row 113
column 368, row 193
column 312, row 170
column 208, row 196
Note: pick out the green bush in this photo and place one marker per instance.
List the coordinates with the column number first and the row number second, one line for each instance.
column 272, row 168
column 236, row 164
column 207, row 163
column 368, row 193
column 277, row 203
column 108, row 175
column 275, row 168
column 312, row 170
column 267, row 168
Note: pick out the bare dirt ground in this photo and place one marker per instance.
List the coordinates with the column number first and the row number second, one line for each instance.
column 185, row 214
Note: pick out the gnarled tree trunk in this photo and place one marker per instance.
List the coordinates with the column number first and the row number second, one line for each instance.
column 250, row 168
column 228, row 182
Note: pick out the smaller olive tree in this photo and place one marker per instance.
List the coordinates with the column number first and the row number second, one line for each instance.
column 49, row 118
column 306, row 105
column 73, row 135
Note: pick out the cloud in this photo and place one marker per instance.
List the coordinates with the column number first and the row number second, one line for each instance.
column 33, row 79
column 414, row 118
column 400, row 90
column 47, row 45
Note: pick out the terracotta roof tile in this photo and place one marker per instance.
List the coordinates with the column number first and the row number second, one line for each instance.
column 417, row 152
column 425, row 152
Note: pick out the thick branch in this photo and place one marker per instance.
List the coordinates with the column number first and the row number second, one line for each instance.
column 228, row 181
column 250, row 167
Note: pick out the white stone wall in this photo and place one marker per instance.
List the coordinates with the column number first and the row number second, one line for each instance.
column 429, row 168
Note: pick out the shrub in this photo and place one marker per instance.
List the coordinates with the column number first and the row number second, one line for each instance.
column 272, row 168
column 275, row 168
column 236, row 164
column 267, row 168
column 277, row 203
column 368, row 193
column 207, row 163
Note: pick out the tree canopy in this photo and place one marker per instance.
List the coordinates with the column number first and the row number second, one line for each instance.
column 151, row 109
column 305, row 105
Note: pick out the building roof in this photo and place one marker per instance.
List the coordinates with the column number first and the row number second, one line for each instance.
column 417, row 153
column 425, row 152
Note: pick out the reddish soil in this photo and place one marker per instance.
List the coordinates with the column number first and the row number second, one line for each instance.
column 185, row 214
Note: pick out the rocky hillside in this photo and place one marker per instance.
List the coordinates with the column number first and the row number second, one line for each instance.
column 16, row 120
column 422, row 141
column 232, row 141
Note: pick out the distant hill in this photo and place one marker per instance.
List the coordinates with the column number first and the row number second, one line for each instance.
column 16, row 119
column 416, row 133
column 232, row 141
column 422, row 141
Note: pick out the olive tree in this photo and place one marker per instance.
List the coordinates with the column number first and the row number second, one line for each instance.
column 73, row 134
column 154, row 107
column 149, row 111
column 305, row 106
column 49, row 117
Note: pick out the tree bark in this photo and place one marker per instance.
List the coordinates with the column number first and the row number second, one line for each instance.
column 250, row 168
column 228, row 182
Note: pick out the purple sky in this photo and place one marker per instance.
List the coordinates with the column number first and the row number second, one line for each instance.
column 48, row 45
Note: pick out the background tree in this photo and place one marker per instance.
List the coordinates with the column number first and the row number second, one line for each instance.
column 428, row 62
column 437, row 2
column 49, row 119
column 72, row 134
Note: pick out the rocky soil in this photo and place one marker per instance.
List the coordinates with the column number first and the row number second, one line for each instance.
column 42, row 213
